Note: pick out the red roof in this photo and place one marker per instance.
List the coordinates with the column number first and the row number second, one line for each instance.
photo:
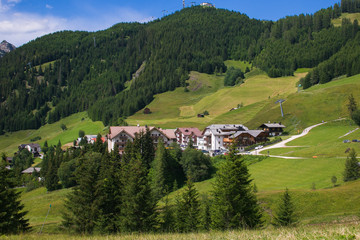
column 189, row 131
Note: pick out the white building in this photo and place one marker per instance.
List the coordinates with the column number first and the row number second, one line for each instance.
column 118, row 136
column 185, row 135
column 206, row 4
column 213, row 136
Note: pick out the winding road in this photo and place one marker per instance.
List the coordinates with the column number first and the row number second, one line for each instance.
column 282, row 144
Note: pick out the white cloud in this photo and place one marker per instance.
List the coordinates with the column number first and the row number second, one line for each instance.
column 19, row 27
column 48, row 6
column 7, row 5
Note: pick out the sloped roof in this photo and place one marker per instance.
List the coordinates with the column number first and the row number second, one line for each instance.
column 253, row 133
column 273, row 125
column 170, row 133
column 31, row 170
column 189, row 131
column 225, row 129
column 130, row 130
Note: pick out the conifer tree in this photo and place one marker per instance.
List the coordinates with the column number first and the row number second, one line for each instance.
column 352, row 168
column 108, row 190
column 166, row 216
column 138, row 205
column 188, row 209
column 82, row 207
column 12, row 216
column 159, row 176
column 234, row 203
column 352, row 106
column 285, row 213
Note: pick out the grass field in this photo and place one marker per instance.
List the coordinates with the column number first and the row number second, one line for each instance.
column 331, row 231
column 37, row 203
column 52, row 132
column 325, row 141
column 311, row 106
column 352, row 16
column 179, row 108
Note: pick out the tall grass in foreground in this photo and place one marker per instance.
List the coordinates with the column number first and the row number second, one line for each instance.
column 329, row 231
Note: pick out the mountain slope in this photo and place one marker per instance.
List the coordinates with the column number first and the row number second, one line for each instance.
column 5, row 48
column 68, row 72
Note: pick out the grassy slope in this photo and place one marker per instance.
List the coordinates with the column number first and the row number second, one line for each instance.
column 37, row 202
column 179, row 108
column 52, row 132
column 324, row 141
column 318, row 103
column 352, row 16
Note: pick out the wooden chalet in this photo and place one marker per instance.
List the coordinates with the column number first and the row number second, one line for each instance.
column 273, row 129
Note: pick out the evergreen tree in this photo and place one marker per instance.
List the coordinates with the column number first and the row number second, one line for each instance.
column 352, row 106
column 166, row 216
column 82, row 209
column 196, row 165
column 159, row 173
column 188, row 209
column 137, row 203
column 12, row 216
column 352, row 168
column 285, row 212
column 234, row 203
column 109, row 189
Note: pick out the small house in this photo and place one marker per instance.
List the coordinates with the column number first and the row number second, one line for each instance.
column 273, row 129
column 147, row 111
column 34, row 148
column 31, row 170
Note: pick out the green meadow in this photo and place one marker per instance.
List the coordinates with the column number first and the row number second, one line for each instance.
column 53, row 133
column 207, row 93
column 325, row 141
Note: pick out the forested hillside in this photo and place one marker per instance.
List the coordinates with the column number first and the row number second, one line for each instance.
column 67, row 72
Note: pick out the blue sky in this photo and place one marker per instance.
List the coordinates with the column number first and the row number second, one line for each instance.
column 24, row 20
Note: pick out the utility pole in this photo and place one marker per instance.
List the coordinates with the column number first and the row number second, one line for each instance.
column 281, row 101
column 183, row 3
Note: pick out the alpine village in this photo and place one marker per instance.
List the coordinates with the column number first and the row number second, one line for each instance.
column 201, row 124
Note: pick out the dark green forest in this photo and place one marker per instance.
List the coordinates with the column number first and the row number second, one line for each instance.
column 67, row 72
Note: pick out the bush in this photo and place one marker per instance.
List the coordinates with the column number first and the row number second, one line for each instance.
column 35, row 139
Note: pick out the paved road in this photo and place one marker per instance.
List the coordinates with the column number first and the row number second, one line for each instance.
column 282, row 144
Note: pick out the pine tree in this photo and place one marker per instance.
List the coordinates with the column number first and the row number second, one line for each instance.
column 138, row 205
column 188, row 209
column 285, row 212
column 234, row 203
column 352, row 107
column 12, row 216
column 166, row 216
column 81, row 205
column 352, row 168
column 108, row 190
column 159, row 178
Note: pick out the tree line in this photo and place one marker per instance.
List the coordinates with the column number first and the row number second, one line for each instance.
column 67, row 72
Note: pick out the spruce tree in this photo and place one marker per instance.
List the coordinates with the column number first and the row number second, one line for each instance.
column 82, row 209
column 352, row 106
column 234, row 203
column 188, row 209
column 159, row 173
column 108, row 190
column 352, row 168
column 137, row 203
column 285, row 213
column 12, row 216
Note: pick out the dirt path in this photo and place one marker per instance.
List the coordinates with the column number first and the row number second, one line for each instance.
column 282, row 144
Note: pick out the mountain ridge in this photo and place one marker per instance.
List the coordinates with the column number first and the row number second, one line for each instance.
column 6, row 47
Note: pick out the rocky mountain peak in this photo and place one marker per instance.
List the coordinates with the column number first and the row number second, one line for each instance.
column 6, row 47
